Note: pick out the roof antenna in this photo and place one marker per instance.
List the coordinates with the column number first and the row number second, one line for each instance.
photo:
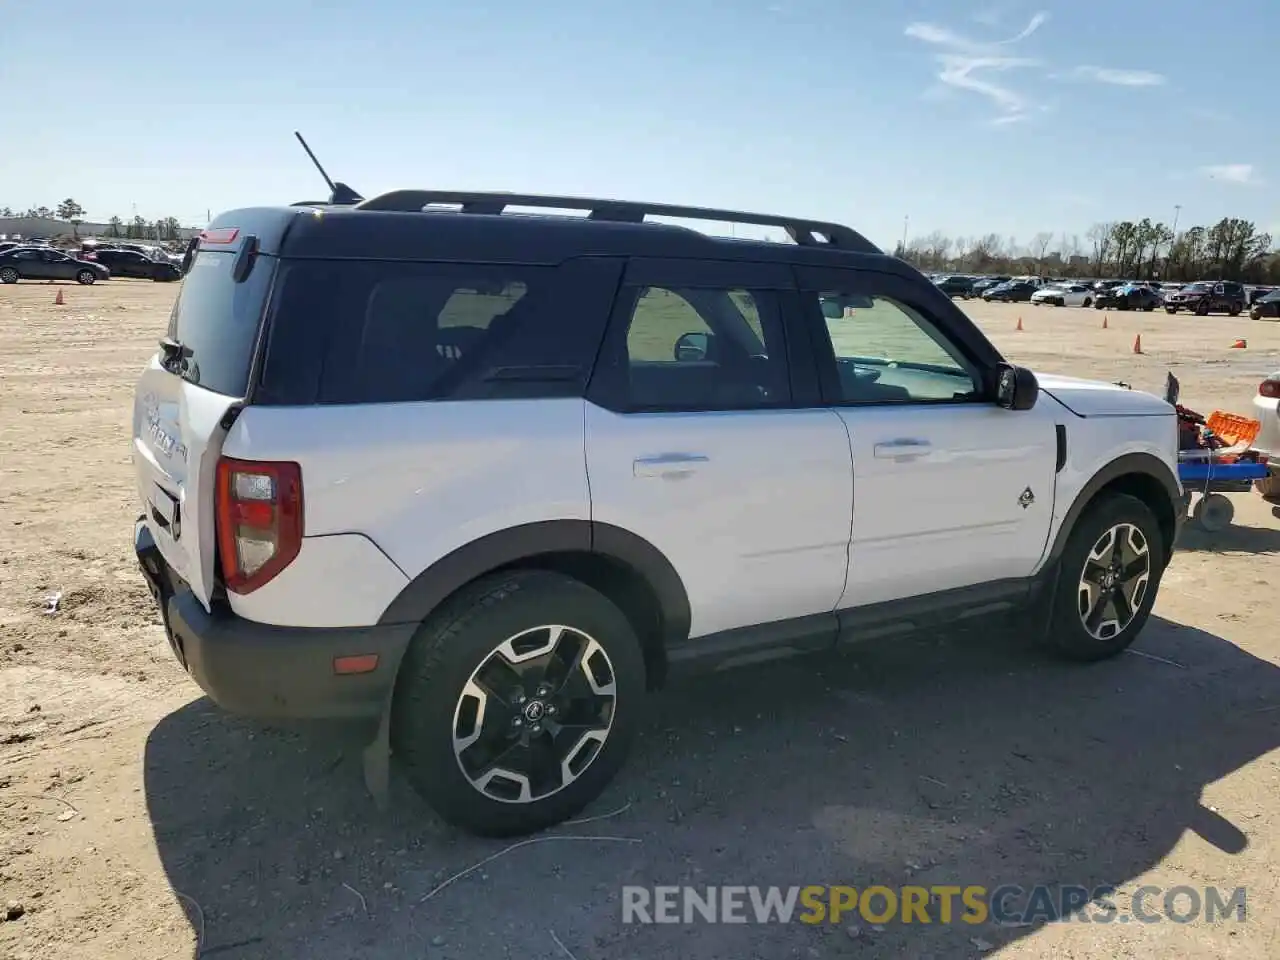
column 339, row 193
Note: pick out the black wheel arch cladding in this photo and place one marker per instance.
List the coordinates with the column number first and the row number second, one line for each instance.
column 570, row 546
column 1140, row 475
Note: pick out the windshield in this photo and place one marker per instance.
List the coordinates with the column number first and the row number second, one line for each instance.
column 1201, row 287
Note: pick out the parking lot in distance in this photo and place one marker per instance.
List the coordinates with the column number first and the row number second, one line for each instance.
column 957, row 759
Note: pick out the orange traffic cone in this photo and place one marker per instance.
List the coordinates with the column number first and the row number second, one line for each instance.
column 58, row 299
column 1104, row 321
column 1019, row 326
column 1239, row 345
column 1137, row 344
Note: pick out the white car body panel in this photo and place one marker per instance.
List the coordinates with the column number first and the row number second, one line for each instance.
column 1093, row 442
column 1096, row 398
column 1266, row 410
column 177, row 435
column 335, row 581
column 948, row 515
column 752, row 508
column 422, row 479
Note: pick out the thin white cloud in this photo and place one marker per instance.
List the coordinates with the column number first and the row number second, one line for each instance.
column 1036, row 23
column 1117, row 78
column 966, row 64
column 1243, row 173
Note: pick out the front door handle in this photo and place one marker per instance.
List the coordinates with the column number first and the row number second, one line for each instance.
column 905, row 448
column 673, row 465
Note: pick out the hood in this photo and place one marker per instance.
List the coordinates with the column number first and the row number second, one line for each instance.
column 1094, row 398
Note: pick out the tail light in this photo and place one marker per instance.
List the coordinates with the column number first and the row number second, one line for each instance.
column 259, row 520
column 1269, row 388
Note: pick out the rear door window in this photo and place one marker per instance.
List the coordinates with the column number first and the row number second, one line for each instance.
column 217, row 321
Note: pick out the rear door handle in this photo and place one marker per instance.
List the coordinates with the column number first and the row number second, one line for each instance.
column 905, row 448
column 668, row 465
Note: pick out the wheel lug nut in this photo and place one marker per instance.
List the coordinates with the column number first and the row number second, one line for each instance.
column 551, row 709
column 536, row 728
column 543, row 690
column 516, row 721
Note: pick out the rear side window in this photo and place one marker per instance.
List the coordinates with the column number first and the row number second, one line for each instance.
column 378, row 332
column 217, row 321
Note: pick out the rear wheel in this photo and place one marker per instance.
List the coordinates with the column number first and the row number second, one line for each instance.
column 1107, row 579
column 517, row 702
column 1202, row 310
column 1087, row 303
column 1235, row 309
column 1171, row 310
column 86, row 277
column 8, row 275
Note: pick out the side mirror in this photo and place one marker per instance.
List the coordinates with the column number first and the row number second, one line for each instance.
column 692, row 347
column 1016, row 388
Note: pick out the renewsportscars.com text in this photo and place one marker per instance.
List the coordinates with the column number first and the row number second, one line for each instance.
column 1008, row 904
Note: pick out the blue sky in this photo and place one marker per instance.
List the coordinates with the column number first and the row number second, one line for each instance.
column 988, row 116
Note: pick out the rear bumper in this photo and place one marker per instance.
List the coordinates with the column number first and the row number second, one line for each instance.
column 268, row 671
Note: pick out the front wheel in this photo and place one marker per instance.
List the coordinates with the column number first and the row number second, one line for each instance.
column 1235, row 310
column 8, row 275
column 1107, row 579
column 517, row 702
column 1087, row 303
column 1171, row 310
column 86, row 277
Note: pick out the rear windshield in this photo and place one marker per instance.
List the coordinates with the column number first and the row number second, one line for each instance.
column 217, row 320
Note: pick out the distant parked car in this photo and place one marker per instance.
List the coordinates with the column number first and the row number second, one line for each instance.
column 1064, row 295
column 1257, row 293
column 1267, row 307
column 1205, row 297
column 1015, row 291
column 1131, row 296
column 130, row 263
column 45, row 263
column 955, row 285
column 1102, row 285
column 984, row 284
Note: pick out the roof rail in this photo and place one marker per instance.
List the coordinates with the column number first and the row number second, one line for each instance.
column 803, row 232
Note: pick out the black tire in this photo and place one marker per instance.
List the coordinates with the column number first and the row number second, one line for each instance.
column 1269, row 487
column 1087, row 303
column 1067, row 635
column 8, row 275
column 1171, row 310
column 1202, row 310
column 1214, row 512
column 1098, row 306
column 1149, row 307
column 447, row 654
column 1235, row 310
column 86, row 277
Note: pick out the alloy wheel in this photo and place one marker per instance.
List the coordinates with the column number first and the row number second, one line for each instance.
column 535, row 714
column 1114, row 581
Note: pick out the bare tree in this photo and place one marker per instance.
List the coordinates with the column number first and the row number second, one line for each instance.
column 1040, row 247
column 1100, row 236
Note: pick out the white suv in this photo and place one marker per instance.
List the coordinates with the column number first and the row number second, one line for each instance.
column 485, row 478
column 1266, row 406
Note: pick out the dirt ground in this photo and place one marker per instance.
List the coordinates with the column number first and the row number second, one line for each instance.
column 139, row 821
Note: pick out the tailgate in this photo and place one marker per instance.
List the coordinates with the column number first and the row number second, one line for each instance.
column 177, row 437
column 181, row 408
